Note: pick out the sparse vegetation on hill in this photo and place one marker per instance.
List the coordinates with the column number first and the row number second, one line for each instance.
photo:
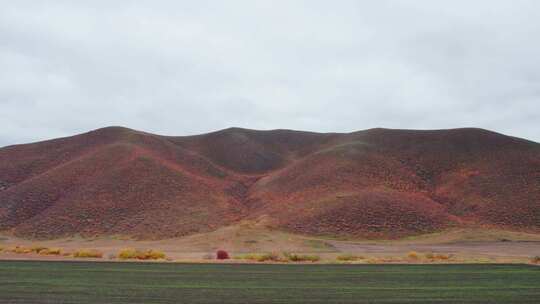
column 377, row 183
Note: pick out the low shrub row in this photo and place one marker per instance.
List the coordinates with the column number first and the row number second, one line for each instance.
column 125, row 254
column 20, row 249
column 437, row 256
column 88, row 253
column 135, row 254
column 349, row 258
column 429, row 256
column 35, row 249
column 50, row 251
column 411, row 256
column 276, row 257
column 262, row 257
column 293, row 257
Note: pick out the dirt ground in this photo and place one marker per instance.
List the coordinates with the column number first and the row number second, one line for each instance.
column 463, row 245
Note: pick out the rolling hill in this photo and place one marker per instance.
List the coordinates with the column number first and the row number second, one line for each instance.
column 377, row 183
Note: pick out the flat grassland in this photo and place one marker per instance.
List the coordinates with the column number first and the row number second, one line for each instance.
column 89, row 282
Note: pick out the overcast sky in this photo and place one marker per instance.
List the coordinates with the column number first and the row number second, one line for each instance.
column 187, row 67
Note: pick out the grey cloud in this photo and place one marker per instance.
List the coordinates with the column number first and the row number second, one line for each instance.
column 185, row 67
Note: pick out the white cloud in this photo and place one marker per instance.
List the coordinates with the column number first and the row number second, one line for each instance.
column 183, row 67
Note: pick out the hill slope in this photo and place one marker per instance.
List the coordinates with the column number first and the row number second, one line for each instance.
column 377, row 183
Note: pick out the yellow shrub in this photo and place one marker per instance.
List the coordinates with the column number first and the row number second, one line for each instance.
column 20, row 250
column 413, row 255
column 51, row 251
column 273, row 257
column 374, row 261
column 129, row 253
column 154, row 255
column 88, row 253
column 349, row 257
column 37, row 249
column 256, row 257
column 302, row 258
column 442, row 256
column 249, row 256
column 438, row 256
column 265, row 257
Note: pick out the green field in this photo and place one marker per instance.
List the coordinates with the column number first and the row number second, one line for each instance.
column 87, row 282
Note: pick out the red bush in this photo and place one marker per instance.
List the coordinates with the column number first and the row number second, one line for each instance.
column 222, row 255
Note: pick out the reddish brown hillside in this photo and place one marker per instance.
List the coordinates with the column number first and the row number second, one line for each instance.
column 252, row 151
column 376, row 183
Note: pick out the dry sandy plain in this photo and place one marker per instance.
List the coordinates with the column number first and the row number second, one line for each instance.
column 462, row 245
